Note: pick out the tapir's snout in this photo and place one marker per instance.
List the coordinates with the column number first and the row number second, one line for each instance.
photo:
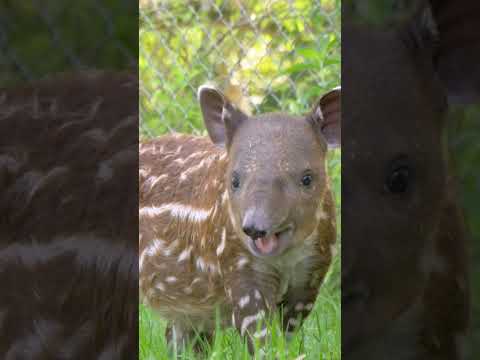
column 265, row 236
column 256, row 223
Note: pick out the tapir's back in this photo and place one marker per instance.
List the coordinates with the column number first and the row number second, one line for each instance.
column 175, row 168
column 180, row 181
column 181, row 192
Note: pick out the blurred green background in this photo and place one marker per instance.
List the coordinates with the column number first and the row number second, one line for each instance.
column 464, row 136
column 38, row 38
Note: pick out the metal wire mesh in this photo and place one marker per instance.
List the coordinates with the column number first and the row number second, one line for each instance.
column 264, row 55
column 42, row 37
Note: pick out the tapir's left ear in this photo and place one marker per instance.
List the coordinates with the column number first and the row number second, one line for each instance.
column 327, row 116
column 458, row 50
column 220, row 116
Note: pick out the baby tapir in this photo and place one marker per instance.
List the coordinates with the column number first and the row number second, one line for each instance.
column 405, row 292
column 242, row 221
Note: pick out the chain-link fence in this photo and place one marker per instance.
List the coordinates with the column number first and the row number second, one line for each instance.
column 38, row 38
column 264, row 55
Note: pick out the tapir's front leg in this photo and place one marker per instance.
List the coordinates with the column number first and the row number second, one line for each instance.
column 300, row 299
column 297, row 305
column 178, row 336
column 252, row 303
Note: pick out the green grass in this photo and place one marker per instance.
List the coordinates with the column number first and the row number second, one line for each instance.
column 318, row 339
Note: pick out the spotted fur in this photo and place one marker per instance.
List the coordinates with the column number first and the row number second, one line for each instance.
column 68, row 252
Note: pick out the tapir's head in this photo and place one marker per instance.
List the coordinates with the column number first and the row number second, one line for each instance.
column 276, row 169
column 397, row 82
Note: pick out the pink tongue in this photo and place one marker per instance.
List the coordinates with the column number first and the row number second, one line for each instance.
column 266, row 244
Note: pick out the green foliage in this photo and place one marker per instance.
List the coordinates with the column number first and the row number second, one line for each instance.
column 283, row 55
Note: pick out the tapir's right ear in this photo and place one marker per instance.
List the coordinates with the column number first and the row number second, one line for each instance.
column 221, row 117
column 458, row 48
column 327, row 115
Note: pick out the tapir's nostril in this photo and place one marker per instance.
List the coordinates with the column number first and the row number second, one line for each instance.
column 253, row 232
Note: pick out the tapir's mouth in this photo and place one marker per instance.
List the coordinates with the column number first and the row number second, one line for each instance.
column 273, row 243
column 266, row 245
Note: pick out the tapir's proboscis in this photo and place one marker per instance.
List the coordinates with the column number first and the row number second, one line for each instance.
column 405, row 292
column 242, row 221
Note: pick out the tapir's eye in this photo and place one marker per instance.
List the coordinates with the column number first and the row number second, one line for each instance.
column 307, row 179
column 398, row 181
column 235, row 181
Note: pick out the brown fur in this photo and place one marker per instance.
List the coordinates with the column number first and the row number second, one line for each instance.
column 68, row 149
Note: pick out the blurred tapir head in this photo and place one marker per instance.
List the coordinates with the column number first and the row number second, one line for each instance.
column 398, row 80
column 276, row 174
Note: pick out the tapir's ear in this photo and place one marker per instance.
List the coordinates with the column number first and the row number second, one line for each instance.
column 221, row 118
column 457, row 54
column 327, row 116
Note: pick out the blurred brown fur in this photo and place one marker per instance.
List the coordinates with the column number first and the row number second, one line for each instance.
column 68, row 225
